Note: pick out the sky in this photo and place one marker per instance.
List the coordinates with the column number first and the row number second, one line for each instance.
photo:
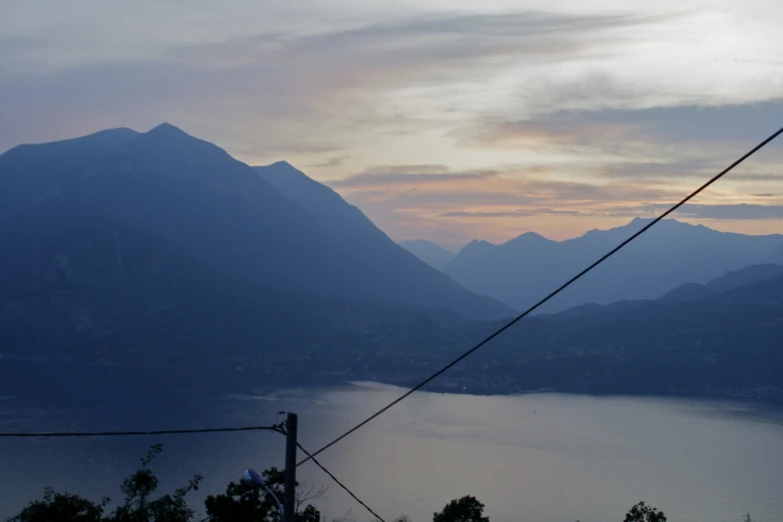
column 446, row 120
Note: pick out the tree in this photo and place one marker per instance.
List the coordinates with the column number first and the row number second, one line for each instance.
column 249, row 503
column 241, row 502
column 138, row 488
column 644, row 513
column 61, row 506
column 465, row 509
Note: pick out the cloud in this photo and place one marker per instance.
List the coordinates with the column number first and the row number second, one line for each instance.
column 496, row 187
column 592, row 90
column 13, row 47
column 405, row 169
column 462, row 213
column 432, row 44
column 408, row 177
column 282, row 90
column 499, row 204
column 517, row 213
column 336, row 161
column 620, row 130
column 741, row 211
column 671, row 169
column 691, row 170
column 512, row 200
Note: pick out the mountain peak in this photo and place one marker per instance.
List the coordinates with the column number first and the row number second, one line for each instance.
column 530, row 237
column 283, row 164
column 167, row 141
column 281, row 169
column 166, row 129
column 667, row 222
column 476, row 245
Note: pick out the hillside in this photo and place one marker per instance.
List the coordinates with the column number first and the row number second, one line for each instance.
column 102, row 291
column 729, row 281
column 724, row 342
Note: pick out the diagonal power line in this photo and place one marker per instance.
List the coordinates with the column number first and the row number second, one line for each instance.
column 365, row 506
column 550, row 296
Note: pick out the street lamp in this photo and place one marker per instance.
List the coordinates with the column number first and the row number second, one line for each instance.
column 253, row 477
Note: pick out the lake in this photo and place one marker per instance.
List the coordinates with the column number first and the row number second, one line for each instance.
column 537, row 458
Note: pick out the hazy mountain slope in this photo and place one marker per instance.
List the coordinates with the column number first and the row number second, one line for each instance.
column 102, row 291
column 98, row 309
column 725, row 343
column 432, row 254
column 193, row 193
column 343, row 220
column 777, row 256
column 671, row 254
column 349, row 227
column 730, row 280
column 101, row 284
column 314, row 196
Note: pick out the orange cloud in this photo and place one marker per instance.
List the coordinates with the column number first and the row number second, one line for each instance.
column 452, row 207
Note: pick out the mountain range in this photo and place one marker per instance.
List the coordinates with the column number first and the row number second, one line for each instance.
column 720, row 338
column 270, row 226
column 156, row 258
column 525, row 269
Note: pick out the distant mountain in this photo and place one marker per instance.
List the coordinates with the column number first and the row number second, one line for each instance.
column 290, row 234
column 432, row 254
column 730, row 280
column 98, row 308
column 777, row 256
column 527, row 268
column 726, row 343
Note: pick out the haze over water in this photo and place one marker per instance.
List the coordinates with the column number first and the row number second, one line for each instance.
column 539, row 458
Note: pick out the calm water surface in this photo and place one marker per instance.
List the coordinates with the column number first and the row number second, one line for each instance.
column 543, row 458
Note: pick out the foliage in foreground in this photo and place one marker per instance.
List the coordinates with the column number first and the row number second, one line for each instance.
column 465, row 509
column 641, row 512
column 241, row 502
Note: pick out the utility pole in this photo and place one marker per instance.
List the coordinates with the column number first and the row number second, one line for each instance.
column 289, row 495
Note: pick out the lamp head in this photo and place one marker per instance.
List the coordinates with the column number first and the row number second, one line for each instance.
column 252, row 476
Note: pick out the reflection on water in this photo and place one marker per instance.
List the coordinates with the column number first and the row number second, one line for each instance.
column 540, row 458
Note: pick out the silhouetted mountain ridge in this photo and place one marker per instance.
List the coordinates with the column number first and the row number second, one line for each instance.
column 525, row 269
column 193, row 193
column 730, row 280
